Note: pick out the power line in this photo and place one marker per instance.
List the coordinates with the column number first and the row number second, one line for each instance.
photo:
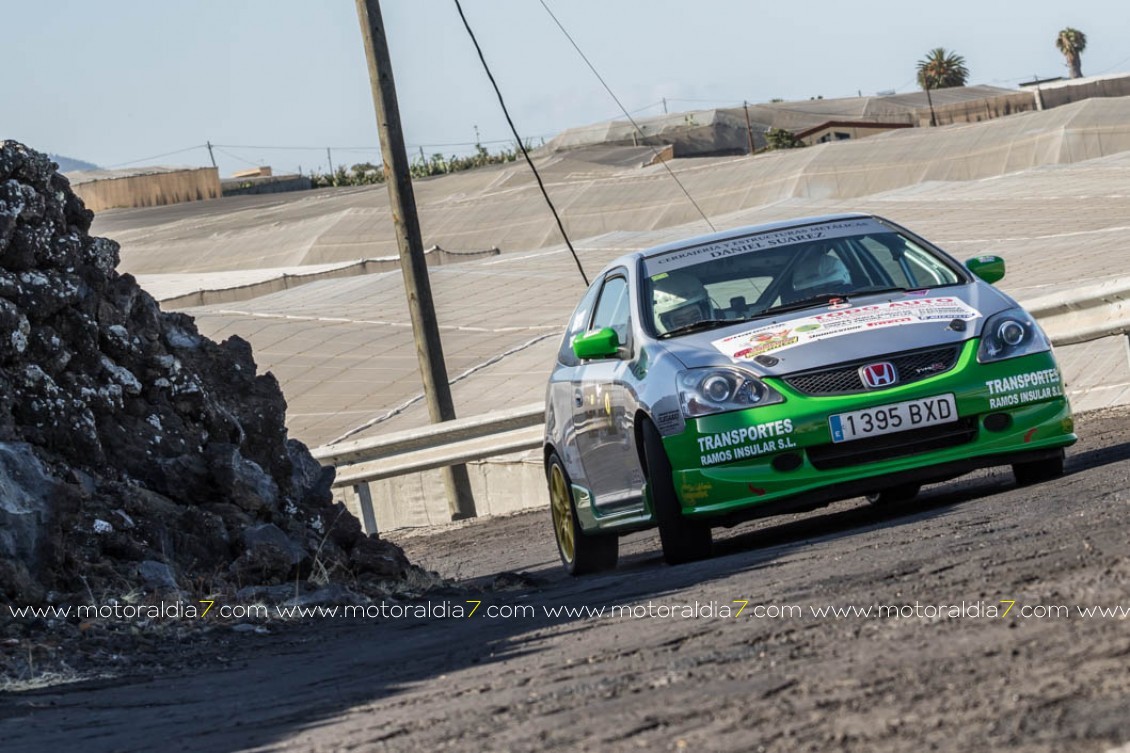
column 1116, row 65
column 462, row 143
column 598, row 126
column 157, row 156
column 297, row 148
column 701, row 101
column 275, row 147
column 627, row 115
column 235, row 156
column 362, row 148
column 522, row 146
column 657, row 103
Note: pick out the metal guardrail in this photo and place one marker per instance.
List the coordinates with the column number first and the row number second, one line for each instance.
column 1085, row 313
column 427, row 448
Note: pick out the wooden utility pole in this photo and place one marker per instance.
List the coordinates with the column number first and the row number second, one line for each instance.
column 413, row 268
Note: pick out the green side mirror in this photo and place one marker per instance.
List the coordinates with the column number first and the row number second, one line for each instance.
column 988, row 268
column 600, row 343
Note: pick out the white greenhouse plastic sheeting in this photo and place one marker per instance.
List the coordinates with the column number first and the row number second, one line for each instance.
column 1049, row 191
column 724, row 129
column 501, row 207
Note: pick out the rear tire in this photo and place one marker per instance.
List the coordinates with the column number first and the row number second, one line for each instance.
column 581, row 553
column 894, row 495
column 1038, row 471
column 684, row 540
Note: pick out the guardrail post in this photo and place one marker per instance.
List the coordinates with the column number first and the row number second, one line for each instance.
column 365, row 502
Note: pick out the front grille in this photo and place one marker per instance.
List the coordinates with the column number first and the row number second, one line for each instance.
column 843, row 379
column 860, row 451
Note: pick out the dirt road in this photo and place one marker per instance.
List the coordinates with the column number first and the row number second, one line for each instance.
column 781, row 676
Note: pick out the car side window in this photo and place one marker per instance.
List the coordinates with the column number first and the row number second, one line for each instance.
column 910, row 266
column 613, row 309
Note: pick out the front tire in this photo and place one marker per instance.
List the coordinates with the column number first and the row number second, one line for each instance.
column 581, row 553
column 1038, row 471
column 683, row 540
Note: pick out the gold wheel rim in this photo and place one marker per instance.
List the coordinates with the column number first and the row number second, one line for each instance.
column 562, row 513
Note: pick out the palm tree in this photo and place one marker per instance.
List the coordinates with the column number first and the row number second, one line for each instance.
column 941, row 69
column 1071, row 42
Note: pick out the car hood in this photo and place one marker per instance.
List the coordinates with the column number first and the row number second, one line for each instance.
column 866, row 326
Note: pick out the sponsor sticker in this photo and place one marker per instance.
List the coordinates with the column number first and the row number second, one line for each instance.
column 836, row 323
column 1024, row 388
column 696, row 492
column 668, row 416
column 746, row 442
column 669, row 422
column 685, row 257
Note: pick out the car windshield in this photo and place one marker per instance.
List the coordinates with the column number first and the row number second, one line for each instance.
column 692, row 289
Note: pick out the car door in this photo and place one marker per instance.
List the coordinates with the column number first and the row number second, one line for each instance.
column 602, row 419
column 560, row 415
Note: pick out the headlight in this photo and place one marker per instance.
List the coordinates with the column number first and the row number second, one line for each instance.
column 1010, row 334
column 703, row 392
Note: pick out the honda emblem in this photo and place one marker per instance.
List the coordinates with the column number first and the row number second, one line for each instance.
column 880, row 374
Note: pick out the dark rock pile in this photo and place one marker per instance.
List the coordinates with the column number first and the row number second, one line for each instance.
column 135, row 453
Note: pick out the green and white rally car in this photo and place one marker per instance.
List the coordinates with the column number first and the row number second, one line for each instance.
column 779, row 368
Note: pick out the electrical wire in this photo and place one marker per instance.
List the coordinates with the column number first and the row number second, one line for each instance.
column 699, row 101
column 1112, row 67
column 521, row 145
column 461, row 143
column 297, row 148
column 158, row 156
column 359, row 148
column 627, row 115
column 320, row 149
column 236, row 156
column 648, row 107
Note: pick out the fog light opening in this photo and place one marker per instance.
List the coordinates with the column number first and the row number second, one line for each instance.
column 997, row 421
column 789, row 461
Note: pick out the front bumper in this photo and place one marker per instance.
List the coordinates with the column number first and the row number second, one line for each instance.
column 748, row 463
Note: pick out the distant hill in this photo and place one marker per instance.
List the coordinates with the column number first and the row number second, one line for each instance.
column 67, row 164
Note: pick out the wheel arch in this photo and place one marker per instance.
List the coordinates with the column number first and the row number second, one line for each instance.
column 548, row 449
column 638, row 422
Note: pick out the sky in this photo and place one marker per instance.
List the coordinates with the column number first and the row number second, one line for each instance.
column 136, row 82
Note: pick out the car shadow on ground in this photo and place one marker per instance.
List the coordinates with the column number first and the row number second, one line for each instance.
column 777, row 536
column 262, row 692
column 1088, row 459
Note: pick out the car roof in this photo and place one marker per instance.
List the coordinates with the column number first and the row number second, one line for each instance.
column 737, row 232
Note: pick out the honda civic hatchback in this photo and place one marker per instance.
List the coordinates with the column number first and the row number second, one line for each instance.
column 779, row 368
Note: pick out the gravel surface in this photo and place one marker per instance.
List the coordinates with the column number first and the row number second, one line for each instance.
column 799, row 681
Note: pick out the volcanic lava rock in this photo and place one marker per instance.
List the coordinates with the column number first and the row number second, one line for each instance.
column 128, row 440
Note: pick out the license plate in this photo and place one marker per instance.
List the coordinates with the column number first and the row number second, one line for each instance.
column 888, row 419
